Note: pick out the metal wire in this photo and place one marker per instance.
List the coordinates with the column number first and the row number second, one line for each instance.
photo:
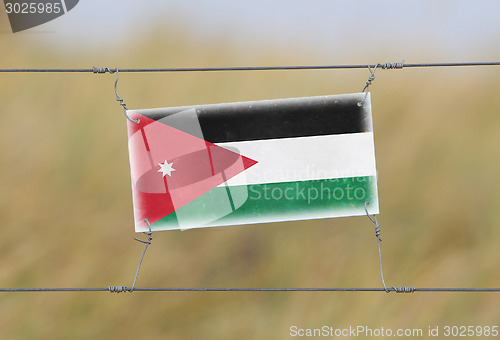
column 123, row 289
column 250, row 68
column 120, row 289
column 173, row 289
column 147, row 243
column 379, row 239
column 118, row 98
column 373, row 218
column 371, row 78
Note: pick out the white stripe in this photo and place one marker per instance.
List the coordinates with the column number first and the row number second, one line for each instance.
column 63, row 2
column 306, row 158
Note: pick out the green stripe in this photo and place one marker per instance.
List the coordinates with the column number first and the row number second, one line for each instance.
column 284, row 201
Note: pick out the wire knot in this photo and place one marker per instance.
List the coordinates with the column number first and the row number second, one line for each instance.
column 392, row 66
column 369, row 81
column 103, row 70
column 374, row 221
column 148, row 241
column 378, row 232
column 147, row 233
column 403, row 289
column 118, row 289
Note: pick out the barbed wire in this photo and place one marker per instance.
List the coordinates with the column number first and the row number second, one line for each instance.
column 398, row 65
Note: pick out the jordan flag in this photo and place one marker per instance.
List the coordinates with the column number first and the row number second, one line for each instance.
column 252, row 162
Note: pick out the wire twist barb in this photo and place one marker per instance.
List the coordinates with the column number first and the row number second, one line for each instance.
column 371, row 78
column 392, row 66
column 118, row 289
column 404, row 289
column 102, row 70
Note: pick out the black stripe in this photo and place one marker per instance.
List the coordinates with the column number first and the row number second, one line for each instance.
column 282, row 118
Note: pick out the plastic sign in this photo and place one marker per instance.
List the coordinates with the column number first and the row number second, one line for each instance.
column 252, row 162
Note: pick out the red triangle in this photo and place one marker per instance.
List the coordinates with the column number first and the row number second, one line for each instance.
column 199, row 166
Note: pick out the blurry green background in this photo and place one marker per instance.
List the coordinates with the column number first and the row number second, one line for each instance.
column 65, row 198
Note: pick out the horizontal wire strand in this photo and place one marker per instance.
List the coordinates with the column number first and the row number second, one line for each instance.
column 248, row 68
column 125, row 289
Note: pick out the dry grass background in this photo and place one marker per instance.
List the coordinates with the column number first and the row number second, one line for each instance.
column 66, row 213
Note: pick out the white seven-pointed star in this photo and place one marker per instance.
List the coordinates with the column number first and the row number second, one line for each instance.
column 166, row 168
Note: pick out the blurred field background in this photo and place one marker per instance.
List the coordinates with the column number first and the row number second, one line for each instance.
column 66, row 210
